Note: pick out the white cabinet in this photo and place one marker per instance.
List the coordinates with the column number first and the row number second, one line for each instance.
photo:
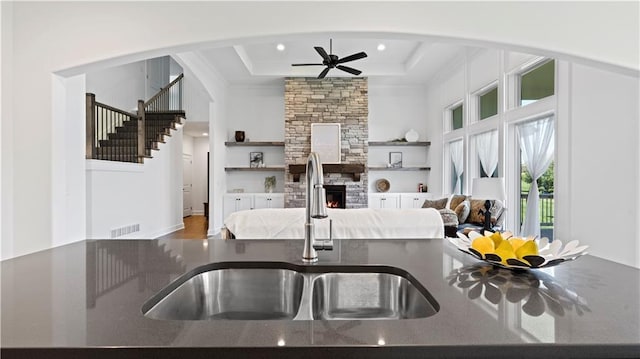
column 234, row 202
column 413, row 200
column 384, row 200
column 268, row 200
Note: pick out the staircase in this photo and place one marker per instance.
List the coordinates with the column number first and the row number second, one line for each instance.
column 117, row 135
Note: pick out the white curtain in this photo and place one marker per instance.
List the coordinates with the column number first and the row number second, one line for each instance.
column 487, row 148
column 457, row 159
column 537, row 146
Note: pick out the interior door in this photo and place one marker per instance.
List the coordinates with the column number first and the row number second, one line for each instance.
column 187, row 185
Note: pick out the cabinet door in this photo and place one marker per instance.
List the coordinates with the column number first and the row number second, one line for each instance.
column 268, row 200
column 411, row 200
column 244, row 202
column 237, row 202
column 384, row 201
column 375, row 201
column 261, row 201
column 276, row 200
column 391, row 201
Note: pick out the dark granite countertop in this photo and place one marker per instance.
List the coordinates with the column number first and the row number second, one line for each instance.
column 85, row 299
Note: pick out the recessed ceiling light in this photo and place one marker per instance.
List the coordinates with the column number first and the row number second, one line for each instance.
column 381, row 47
column 205, row 134
column 280, row 47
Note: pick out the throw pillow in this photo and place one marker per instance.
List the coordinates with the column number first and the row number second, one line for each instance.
column 462, row 211
column 449, row 217
column 456, row 199
column 437, row 204
column 476, row 212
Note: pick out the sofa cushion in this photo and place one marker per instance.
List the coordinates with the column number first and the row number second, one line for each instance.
column 449, row 217
column 437, row 204
column 455, row 200
column 462, row 211
column 476, row 212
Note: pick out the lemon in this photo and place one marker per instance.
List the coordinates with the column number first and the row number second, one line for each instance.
column 516, row 243
column 483, row 245
column 528, row 248
column 505, row 251
column 497, row 239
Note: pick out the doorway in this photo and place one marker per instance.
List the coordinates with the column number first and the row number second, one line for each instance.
column 187, row 184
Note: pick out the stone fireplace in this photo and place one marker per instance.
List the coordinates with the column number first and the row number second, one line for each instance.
column 341, row 100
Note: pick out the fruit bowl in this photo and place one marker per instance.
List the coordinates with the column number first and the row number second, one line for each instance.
column 504, row 250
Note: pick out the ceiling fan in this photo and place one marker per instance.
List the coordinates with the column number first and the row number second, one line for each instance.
column 333, row 61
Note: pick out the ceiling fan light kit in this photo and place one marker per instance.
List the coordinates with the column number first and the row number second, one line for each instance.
column 333, row 61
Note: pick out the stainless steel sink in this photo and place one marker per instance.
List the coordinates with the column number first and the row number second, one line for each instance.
column 352, row 296
column 235, row 293
column 285, row 291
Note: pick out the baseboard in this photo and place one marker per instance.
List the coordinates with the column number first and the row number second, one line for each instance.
column 212, row 232
column 197, row 212
column 175, row 227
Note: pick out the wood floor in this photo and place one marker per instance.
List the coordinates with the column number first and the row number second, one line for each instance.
column 195, row 227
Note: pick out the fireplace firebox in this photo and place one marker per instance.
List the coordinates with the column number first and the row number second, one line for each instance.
column 336, row 196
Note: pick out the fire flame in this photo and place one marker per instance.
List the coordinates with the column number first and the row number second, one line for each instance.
column 333, row 204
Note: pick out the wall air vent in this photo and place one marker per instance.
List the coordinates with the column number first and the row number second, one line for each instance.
column 123, row 231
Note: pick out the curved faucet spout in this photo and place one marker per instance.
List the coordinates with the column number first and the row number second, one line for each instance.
column 316, row 204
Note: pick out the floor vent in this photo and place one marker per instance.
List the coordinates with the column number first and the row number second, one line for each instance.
column 123, row 231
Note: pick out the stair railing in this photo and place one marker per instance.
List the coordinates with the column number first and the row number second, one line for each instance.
column 169, row 98
column 104, row 119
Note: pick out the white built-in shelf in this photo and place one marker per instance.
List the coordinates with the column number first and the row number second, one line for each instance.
column 256, row 143
column 398, row 143
column 409, row 168
column 254, row 169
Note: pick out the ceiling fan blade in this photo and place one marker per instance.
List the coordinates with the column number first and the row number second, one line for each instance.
column 358, row 56
column 322, row 53
column 307, row 64
column 350, row 70
column 324, row 73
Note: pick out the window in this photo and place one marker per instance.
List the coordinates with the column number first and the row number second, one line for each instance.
column 456, row 117
column 483, row 174
column 489, row 103
column 537, row 83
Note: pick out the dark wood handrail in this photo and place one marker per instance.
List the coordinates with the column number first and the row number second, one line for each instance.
column 163, row 90
column 111, row 108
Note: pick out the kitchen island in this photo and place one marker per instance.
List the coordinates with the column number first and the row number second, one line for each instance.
column 85, row 299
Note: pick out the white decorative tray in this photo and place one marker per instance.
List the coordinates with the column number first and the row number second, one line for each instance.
column 513, row 253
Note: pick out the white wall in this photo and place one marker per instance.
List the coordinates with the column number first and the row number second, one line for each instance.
column 259, row 112
column 74, row 38
column 150, row 194
column 119, row 86
column 603, row 136
column 394, row 110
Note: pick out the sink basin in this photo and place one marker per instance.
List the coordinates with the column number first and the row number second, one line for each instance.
column 285, row 291
column 233, row 293
column 354, row 296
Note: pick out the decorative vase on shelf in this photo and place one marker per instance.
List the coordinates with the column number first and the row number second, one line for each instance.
column 411, row 135
column 269, row 184
column 239, row 136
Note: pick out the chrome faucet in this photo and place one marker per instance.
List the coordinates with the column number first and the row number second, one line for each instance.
column 316, row 205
